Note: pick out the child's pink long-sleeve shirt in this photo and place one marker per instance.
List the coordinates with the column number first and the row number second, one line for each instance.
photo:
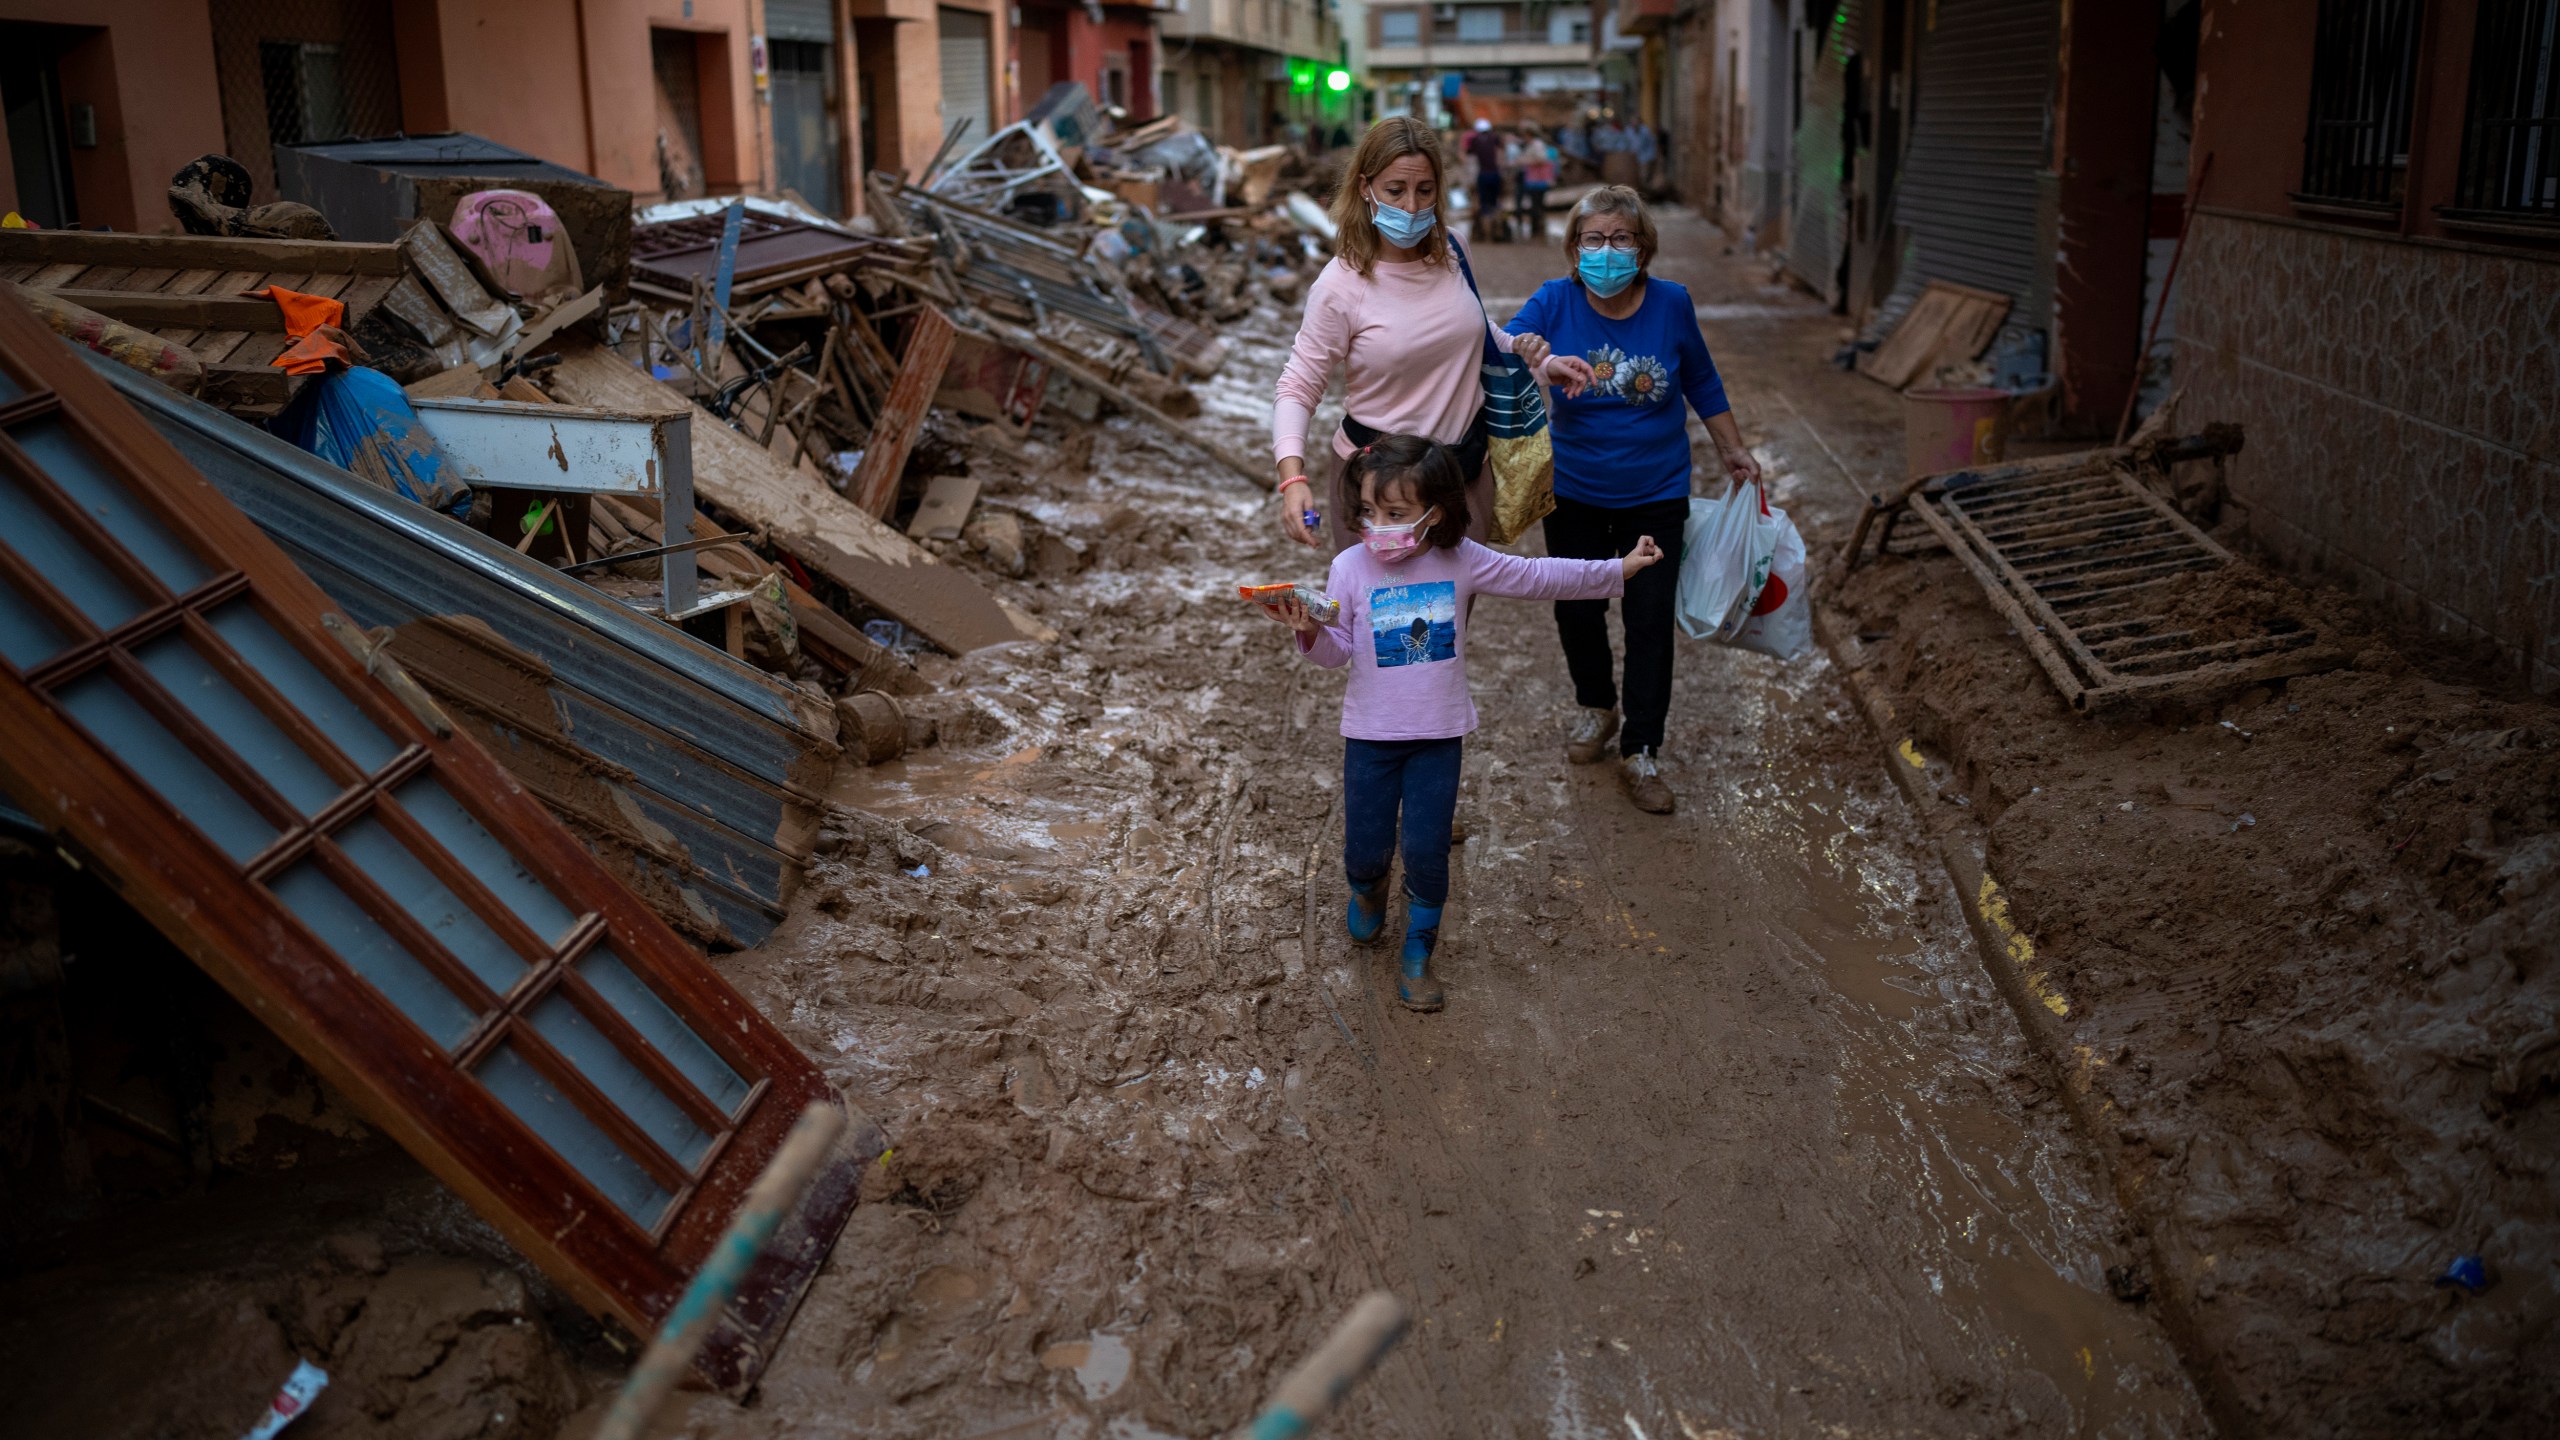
column 1403, row 631
column 1410, row 340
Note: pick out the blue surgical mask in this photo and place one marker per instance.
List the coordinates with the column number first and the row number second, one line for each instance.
column 1607, row 272
column 1402, row 228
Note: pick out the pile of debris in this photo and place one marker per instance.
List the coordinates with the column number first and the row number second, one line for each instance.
column 739, row 418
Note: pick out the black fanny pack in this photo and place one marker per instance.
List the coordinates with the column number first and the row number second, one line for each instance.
column 1469, row 451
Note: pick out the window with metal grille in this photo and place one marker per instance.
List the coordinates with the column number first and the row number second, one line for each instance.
column 2511, row 125
column 2364, row 62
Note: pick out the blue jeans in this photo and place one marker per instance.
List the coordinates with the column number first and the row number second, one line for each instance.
column 1421, row 776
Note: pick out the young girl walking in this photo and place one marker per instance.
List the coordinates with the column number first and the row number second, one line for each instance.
column 1404, row 594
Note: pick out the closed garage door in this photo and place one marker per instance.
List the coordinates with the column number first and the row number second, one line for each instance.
column 1974, row 189
column 967, row 92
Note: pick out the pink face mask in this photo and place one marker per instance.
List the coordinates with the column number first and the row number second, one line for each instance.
column 1391, row 543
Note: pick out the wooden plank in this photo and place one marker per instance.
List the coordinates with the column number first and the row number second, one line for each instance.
column 157, row 309
column 1948, row 322
column 875, row 485
column 197, row 252
column 945, row 510
column 801, row 516
column 54, row 277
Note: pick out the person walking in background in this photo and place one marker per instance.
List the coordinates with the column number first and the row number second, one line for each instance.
column 1404, row 594
column 1627, row 355
column 1537, row 177
column 1394, row 312
column 1485, row 149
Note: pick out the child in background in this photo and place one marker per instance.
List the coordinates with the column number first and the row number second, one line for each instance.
column 1404, row 594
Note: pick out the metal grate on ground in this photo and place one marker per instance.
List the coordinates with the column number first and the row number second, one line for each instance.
column 2090, row 566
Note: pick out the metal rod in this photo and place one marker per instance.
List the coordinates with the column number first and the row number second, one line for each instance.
column 771, row 1197
column 2142, row 361
column 700, row 543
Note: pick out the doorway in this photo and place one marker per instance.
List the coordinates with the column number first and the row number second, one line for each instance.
column 806, row 130
column 39, row 137
column 672, row 59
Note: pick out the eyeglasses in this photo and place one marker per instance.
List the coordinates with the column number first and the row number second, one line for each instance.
column 1594, row 244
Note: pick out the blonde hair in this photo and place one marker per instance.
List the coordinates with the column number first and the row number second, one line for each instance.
column 1618, row 200
column 1391, row 139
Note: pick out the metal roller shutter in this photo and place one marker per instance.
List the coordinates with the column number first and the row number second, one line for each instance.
column 966, row 88
column 811, row 20
column 1974, row 195
column 1818, row 231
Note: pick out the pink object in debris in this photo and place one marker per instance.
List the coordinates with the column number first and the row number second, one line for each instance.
column 518, row 236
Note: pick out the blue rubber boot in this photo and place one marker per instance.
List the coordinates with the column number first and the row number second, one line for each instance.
column 1367, row 913
column 1416, row 987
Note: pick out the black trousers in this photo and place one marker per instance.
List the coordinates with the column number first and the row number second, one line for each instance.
column 1576, row 531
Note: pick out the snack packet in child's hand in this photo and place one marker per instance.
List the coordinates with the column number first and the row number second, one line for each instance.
column 1319, row 606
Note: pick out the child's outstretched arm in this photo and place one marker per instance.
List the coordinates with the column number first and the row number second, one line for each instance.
column 1526, row 578
column 1324, row 644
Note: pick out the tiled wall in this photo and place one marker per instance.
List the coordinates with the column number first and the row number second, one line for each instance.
column 2402, row 404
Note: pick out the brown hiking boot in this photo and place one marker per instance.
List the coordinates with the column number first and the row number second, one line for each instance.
column 1641, row 777
column 1590, row 736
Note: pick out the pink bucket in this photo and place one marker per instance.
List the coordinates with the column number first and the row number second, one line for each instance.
column 1950, row 429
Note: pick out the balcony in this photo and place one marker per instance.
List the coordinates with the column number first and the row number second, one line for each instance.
column 1284, row 27
column 1478, row 55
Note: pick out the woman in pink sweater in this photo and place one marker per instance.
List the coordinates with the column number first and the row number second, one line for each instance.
column 1396, row 312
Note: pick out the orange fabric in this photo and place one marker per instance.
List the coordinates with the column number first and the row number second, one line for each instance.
column 312, row 321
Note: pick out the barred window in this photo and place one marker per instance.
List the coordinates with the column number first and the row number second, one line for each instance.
column 2511, row 125
column 2364, row 62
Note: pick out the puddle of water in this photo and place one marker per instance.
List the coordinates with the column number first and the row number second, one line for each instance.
column 1100, row 1362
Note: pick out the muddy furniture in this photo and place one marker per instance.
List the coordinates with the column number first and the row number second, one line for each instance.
column 2090, row 566
column 194, row 718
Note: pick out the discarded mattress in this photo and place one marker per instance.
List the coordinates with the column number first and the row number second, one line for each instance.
column 698, row 779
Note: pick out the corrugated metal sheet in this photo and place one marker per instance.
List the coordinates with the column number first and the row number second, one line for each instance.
column 1973, row 191
column 697, row 778
column 800, row 20
column 1818, row 231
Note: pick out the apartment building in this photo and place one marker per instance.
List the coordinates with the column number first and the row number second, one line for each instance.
column 1525, row 59
column 1245, row 70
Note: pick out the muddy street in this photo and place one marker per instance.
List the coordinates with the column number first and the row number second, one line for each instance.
column 1724, row 1128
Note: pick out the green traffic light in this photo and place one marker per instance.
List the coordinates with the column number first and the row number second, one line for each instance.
column 1337, row 80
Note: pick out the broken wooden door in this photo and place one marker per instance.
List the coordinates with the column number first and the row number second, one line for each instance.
column 181, row 705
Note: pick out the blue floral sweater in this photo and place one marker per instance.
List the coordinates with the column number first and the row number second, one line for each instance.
column 1625, row 442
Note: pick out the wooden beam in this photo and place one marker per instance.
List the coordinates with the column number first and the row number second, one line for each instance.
column 196, row 252
column 875, row 485
column 153, row 309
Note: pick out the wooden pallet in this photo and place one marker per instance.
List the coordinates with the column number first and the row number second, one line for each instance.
column 188, row 290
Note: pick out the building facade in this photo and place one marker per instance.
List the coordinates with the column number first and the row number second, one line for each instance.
column 106, row 99
column 2370, row 287
column 1245, row 71
column 1518, row 60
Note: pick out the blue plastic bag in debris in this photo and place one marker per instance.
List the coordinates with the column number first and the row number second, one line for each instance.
column 362, row 421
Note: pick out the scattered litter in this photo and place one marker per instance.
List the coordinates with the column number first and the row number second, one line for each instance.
column 292, row 1398
column 2236, row 730
column 2246, row 819
column 921, row 872
column 2126, row 805
column 2468, row 1271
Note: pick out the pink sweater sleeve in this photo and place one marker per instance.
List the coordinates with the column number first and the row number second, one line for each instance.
column 1324, row 338
column 1524, row 577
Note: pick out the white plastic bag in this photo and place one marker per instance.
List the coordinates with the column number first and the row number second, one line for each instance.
column 1716, row 578
column 1779, row 620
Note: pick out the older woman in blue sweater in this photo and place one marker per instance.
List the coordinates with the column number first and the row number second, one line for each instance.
column 1630, row 363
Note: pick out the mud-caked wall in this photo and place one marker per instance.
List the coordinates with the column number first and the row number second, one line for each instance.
column 2402, row 403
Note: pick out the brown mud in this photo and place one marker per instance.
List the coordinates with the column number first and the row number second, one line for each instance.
column 2307, row 938
column 1725, row 1132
